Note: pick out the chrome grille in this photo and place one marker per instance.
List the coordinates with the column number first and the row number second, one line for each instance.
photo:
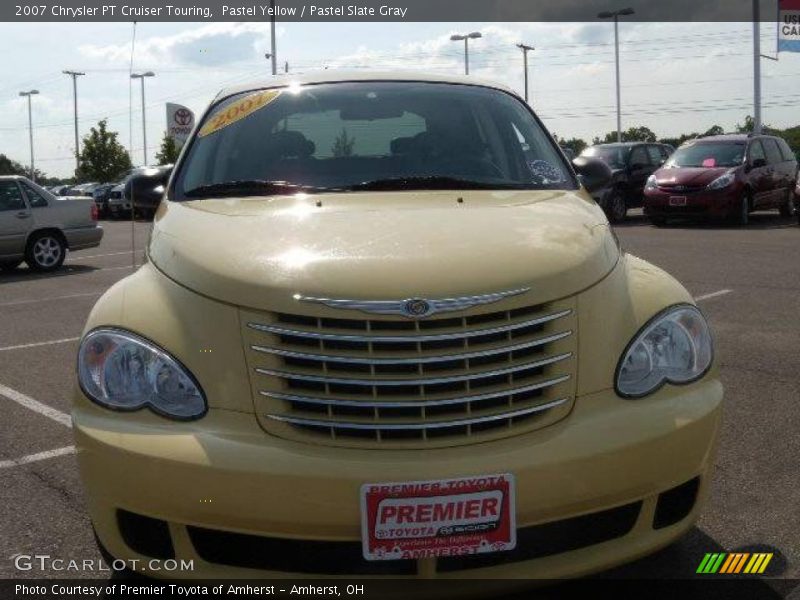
column 403, row 382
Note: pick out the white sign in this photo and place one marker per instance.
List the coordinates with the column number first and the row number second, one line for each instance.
column 180, row 122
column 789, row 26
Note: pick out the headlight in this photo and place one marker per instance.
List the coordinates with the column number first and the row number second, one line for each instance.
column 651, row 183
column 722, row 182
column 122, row 371
column 674, row 347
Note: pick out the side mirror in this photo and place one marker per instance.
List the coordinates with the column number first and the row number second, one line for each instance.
column 593, row 173
column 146, row 187
column 758, row 163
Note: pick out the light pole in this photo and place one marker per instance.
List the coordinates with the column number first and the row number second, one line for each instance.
column 75, row 75
column 141, row 77
column 756, row 67
column 616, row 15
column 30, row 127
column 525, row 49
column 466, row 37
column 274, row 51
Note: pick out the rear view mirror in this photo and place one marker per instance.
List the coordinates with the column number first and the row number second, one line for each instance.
column 593, row 172
column 146, row 186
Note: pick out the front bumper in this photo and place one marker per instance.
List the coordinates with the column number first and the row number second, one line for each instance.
column 715, row 204
column 222, row 475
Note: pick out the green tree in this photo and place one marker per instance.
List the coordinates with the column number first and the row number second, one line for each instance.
column 632, row 134
column 343, row 146
column 102, row 157
column 168, row 153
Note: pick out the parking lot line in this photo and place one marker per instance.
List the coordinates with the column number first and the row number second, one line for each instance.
column 16, row 462
column 36, row 406
column 49, row 299
column 99, row 255
column 35, row 344
column 712, row 295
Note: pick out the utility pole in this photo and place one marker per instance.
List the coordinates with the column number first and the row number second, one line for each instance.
column 141, row 77
column 30, row 127
column 75, row 75
column 466, row 37
column 616, row 15
column 525, row 49
column 756, row 68
column 273, row 47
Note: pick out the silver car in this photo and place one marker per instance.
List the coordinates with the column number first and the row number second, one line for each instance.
column 39, row 228
column 117, row 204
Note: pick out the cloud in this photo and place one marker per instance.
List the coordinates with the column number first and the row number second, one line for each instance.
column 210, row 45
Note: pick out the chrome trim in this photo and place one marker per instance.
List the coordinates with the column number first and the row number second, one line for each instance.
column 412, row 307
column 424, row 381
column 409, row 338
column 406, row 361
column 419, row 426
column 414, row 403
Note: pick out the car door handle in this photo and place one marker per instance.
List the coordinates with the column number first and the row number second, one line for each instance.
column 23, row 215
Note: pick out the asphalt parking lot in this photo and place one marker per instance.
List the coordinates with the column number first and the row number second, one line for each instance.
column 746, row 281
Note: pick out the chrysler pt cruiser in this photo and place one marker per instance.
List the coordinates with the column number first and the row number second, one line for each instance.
column 384, row 330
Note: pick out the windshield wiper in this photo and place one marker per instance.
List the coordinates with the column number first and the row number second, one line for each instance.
column 430, row 182
column 251, row 187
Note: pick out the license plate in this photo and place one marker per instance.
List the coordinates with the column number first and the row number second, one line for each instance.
column 677, row 200
column 447, row 517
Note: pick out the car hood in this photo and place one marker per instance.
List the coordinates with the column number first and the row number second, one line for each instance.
column 693, row 176
column 260, row 252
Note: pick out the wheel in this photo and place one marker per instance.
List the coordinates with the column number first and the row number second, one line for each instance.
column 658, row 221
column 740, row 215
column 615, row 207
column 789, row 208
column 45, row 252
column 10, row 265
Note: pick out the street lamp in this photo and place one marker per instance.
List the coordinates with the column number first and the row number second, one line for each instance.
column 75, row 75
column 30, row 127
column 141, row 77
column 466, row 37
column 525, row 49
column 616, row 15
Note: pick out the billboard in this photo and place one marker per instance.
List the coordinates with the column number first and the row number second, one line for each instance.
column 789, row 26
column 180, row 122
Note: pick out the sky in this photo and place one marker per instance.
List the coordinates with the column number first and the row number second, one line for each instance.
column 676, row 77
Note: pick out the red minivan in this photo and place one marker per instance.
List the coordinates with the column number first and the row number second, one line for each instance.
column 726, row 176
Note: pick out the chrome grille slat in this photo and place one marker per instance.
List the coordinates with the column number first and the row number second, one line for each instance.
column 417, row 426
column 304, row 333
column 415, row 403
column 413, row 360
column 419, row 381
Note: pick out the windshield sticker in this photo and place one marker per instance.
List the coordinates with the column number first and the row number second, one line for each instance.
column 710, row 162
column 237, row 111
column 545, row 172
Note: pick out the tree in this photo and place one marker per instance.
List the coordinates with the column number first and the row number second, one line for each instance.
column 102, row 157
column 168, row 153
column 632, row 134
column 343, row 146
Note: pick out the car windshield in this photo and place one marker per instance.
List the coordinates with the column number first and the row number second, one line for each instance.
column 708, row 155
column 369, row 136
column 613, row 156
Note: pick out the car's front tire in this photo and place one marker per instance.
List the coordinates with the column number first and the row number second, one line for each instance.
column 789, row 207
column 658, row 221
column 46, row 251
column 615, row 207
column 740, row 214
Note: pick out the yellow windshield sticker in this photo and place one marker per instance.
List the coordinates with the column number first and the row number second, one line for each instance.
column 237, row 111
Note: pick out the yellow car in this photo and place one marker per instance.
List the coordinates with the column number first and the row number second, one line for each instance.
column 384, row 330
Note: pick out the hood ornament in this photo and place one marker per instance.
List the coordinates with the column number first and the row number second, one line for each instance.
column 415, row 308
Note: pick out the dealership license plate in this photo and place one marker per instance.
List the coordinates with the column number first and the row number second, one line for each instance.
column 447, row 517
column 677, row 200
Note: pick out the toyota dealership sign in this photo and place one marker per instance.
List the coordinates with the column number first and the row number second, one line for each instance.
column 180, row 122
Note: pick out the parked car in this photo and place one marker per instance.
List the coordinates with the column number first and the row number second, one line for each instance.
column 632, row 163
column 39, row 228
column 100, row 196
column 724, row 176
column 797, row 199
column 431, row 319
column 118, row 206
column 60, row 190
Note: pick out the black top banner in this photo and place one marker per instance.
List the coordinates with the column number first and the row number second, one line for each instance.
column 386, row 10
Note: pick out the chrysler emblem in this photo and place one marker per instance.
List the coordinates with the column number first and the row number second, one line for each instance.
column 415, row 308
